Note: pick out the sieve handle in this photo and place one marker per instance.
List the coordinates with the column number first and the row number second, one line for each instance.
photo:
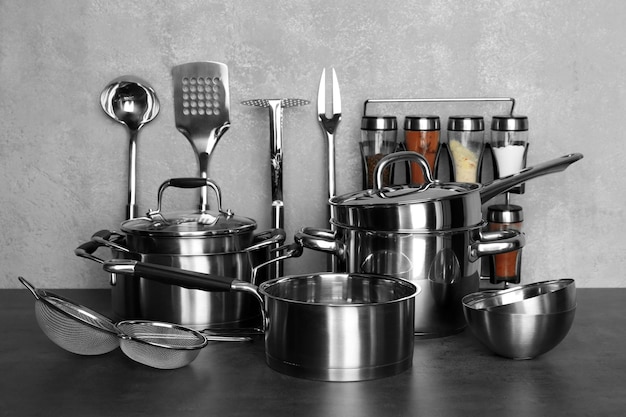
column 171, row 275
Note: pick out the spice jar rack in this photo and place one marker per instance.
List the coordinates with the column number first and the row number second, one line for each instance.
column 502, row 133
column 444, row 147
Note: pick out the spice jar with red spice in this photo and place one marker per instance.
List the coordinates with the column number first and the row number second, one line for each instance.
column 421, row 135
column 506, row 267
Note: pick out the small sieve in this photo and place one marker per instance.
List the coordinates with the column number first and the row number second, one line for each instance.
column 80, row 330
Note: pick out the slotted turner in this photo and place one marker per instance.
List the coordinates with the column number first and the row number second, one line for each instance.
column 202, row 110
column 276, row 157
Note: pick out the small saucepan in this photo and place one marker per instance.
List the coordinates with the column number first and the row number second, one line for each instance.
column 326, row 326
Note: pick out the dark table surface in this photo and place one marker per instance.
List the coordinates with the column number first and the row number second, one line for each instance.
column 453, row 376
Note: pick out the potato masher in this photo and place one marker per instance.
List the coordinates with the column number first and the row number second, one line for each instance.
column 276, row 158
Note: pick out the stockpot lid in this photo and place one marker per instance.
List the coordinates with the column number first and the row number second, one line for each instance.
column 432, row 207
column 186, row 224
column 199, row 223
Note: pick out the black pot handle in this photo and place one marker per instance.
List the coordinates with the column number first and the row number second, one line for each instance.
column 183, row 278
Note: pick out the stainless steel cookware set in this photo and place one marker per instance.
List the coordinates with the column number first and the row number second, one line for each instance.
column 401, row 257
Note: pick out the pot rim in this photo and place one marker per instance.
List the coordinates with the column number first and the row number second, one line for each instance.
column 189, row 225
column 477, row 226
column 413, row 289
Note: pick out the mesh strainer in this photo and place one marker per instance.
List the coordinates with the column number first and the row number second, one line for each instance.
column 73, row 327
column 80, row 330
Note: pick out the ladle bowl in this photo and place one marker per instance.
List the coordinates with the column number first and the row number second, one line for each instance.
column 133, row 103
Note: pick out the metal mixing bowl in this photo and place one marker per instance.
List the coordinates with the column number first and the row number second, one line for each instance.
column 518, row 336
column 538, row 298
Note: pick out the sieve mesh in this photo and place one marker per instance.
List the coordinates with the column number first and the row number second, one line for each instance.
column 71, row 334
column 160, row 345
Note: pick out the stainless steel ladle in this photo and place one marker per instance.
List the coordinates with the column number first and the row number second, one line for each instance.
column 132, row 102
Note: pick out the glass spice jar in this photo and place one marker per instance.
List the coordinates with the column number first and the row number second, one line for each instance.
column 506, row 267
column 379, row 136
column 466, row 135
column 509, row 139
column 421, row 135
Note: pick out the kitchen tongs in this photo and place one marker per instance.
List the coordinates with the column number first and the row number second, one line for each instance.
column 202, row 109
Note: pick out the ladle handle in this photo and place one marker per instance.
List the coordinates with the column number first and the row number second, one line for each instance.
column 392, row 158
column 503, row 184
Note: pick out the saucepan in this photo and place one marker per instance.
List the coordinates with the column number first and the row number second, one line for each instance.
column 431, row 234
column 326, row 326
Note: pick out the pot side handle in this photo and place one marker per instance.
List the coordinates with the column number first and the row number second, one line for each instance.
column 266, row 239
column 99, row 239
column 496, row 242
column 322, row 240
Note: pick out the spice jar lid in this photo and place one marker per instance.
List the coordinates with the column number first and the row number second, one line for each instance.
column 509, row 123
column 379, row 123
column 466, row 123
column 422, row 122
column 505, row 213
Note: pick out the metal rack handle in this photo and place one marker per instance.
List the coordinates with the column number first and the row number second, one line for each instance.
column 434, row 100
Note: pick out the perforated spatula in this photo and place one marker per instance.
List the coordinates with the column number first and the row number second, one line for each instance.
column 202, row 109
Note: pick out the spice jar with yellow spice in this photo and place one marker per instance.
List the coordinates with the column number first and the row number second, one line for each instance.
column 421, row 135
column 379, row 136
column 466, row 136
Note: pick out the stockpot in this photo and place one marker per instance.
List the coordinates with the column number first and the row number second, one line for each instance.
column 326, row 326
column 217, row 242
column 430, row 234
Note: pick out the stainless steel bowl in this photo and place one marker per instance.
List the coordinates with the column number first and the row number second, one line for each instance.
column 518, row 336
column 538, row 298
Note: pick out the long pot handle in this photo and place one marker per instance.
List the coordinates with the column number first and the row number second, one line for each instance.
column 503, row 184
column 496, row 242
column 183, row 278
column 322, row 240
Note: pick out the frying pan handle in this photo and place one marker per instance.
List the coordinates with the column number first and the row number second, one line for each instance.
column 398, row 157
column 503, row 184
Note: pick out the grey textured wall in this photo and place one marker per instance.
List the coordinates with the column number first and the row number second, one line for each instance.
column 63, row 161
